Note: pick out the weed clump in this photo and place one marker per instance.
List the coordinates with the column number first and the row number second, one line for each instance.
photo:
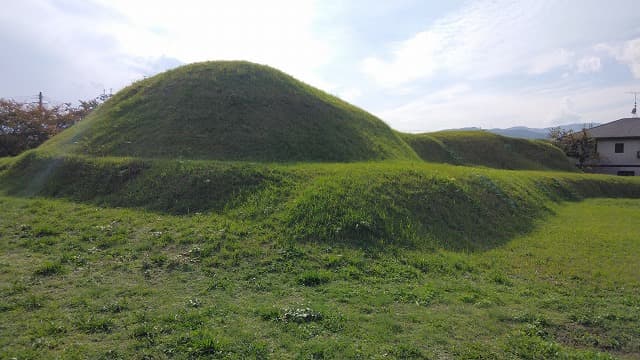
column 49, row 268
column 314, row 278
column 300, row 315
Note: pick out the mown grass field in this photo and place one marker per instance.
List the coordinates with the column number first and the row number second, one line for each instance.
column 84, row 281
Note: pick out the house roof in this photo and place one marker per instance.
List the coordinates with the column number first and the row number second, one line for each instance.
column 623, row 128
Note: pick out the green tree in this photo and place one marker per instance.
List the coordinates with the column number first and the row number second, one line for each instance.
column 576, row 144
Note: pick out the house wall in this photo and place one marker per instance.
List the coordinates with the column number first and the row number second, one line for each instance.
column 608, row 156
column 610, row 162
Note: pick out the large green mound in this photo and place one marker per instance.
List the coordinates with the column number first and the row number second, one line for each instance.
column 231, row 111
column 481, row 148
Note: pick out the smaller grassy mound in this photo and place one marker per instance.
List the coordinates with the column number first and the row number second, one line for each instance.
column 433, row 206
column 486, row 149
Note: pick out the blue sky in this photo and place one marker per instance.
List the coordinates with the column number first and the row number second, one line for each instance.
column 418, row 65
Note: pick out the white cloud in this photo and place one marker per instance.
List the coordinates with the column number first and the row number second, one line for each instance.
column 499, row 48
column 481, row 40
column 550, row 61
column 412, row 59
column 631, row 56
column 627, row 53
column 278, row 33
column 450, row 93
column 493, row 38
column 81, row 46
column 589, row 64
column 62, row 49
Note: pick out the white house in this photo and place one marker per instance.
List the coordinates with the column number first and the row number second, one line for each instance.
column 618, row 147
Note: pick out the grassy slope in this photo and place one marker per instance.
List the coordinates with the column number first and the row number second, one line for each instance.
column 85, row 281
column 486, row 149
column 407, row 204
column 231, row 111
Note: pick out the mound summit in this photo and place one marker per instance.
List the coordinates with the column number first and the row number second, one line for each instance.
column 231, row 110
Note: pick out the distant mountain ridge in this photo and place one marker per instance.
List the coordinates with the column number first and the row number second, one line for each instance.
column 532, row 133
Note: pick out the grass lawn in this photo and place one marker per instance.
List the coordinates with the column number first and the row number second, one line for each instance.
column 81, row 281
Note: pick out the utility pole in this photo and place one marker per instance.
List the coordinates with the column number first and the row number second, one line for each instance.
column 41, row 106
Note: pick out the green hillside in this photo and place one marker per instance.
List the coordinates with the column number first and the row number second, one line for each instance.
column 373, row 203
column 230, row 111
column 481, row 148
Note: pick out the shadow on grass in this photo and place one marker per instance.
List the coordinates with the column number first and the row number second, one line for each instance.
column 171, row 187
